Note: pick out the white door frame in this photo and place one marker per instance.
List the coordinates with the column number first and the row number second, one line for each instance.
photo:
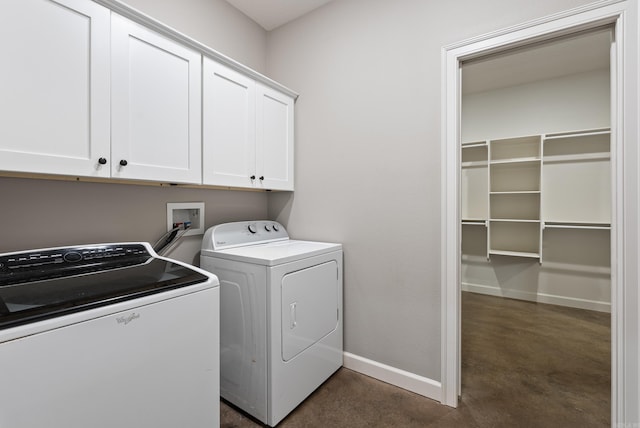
column 625, row 326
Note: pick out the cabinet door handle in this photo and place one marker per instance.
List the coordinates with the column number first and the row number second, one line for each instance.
column 261, row 177
column 123, row 162
column 253, row 177
column 102, row 161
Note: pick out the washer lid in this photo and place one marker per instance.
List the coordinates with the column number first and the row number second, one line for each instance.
column 274, row 253
column 48, row 283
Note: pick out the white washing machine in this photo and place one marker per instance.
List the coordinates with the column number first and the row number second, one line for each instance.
column 280, row 315
column 107, row 335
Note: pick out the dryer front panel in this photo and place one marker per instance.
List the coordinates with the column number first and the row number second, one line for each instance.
column 306, row 318
column 309, row 307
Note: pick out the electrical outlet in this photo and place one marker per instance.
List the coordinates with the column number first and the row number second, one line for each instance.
column 181, row 212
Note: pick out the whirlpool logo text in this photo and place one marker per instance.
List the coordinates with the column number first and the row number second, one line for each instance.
column 126, row 319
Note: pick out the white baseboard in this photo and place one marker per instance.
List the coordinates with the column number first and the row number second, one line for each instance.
column 391, row 375
column 538, row 297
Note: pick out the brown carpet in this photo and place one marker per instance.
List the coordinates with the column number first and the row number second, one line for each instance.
column 523, row 365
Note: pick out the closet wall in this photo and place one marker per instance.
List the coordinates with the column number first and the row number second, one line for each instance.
column 553, row 191
column 566, row 103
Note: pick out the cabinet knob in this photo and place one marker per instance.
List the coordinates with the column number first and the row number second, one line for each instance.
column 261, row 177
column 253, row 177
column 102, row 161
column 123, row 162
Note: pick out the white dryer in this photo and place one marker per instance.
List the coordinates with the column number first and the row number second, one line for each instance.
column 280, row 315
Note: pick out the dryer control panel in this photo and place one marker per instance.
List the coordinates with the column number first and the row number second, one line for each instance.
column 242, row 233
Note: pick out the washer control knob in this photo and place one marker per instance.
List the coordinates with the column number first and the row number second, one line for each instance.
column 267, row 228
column 72, row 257
column 275, row 227
column 252, row 228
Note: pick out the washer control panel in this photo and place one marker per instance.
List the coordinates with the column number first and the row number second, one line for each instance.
column 67, row 261
column 238, row 234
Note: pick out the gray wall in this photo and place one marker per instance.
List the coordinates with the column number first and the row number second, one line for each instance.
column 47, row 213
column 43, row 213
column 368, row 155
column 214, row 23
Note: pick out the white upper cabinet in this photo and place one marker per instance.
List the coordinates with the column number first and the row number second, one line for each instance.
column 54, row 81
column 247, row 132
column 88, row 92
column 156, row 109
column 274, row 139
column 228, row 127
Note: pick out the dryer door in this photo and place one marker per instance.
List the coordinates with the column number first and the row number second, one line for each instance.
column 309, row 307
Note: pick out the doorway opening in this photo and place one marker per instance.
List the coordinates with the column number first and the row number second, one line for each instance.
column 622, row 16
column 536, row 209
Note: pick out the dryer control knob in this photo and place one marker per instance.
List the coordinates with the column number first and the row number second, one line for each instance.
column 252, row 228
column 267, row 228
column 275, row 227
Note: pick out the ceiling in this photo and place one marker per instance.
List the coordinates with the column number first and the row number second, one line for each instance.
column 271, row 14
column 560, row 57
column 556, row 58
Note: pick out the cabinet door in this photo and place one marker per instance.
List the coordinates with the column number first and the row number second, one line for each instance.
column 155, row 106
column 54, row 81
column 274, row 139
column 228, row 127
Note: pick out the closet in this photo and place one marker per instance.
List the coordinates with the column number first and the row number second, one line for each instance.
column 536, row 173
